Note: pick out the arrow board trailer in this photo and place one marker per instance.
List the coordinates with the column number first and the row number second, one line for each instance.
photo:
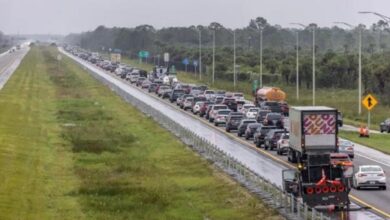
column 313, row 130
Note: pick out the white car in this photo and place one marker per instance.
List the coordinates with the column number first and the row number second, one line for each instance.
column 252, row 112
column 370, row 176
column 282, row 145
column 196, row 107
column 238, row 96
column 245, row 107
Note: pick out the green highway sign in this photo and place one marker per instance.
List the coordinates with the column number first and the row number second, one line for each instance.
column 143, row 54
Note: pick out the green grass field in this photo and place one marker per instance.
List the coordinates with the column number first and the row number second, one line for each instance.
column 72, row 149
column 344, row 100
column 380, row 142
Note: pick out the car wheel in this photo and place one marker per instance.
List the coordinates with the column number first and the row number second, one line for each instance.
column 278, row 152
column 246, row 137
column 228, row 129
column 388, row 130
column 257, row 144
column 383, row 187
column 239, row 134
column 216, row 124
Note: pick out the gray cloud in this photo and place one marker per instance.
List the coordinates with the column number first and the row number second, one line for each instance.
column 65, row 16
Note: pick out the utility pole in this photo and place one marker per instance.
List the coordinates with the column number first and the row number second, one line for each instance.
column 200, row 54
column 297, row 67
column 234, row 57
column 261, row 57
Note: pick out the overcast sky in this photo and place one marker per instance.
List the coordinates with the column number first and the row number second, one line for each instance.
column 65, row 16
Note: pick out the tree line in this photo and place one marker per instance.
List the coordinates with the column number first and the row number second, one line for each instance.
column 336, row 51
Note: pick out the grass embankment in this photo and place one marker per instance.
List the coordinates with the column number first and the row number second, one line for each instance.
column 72, row 149
column 343, row 99
column 380, row 142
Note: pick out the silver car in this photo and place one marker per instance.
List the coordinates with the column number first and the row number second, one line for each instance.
column 347, row 147
column 220, row 117
column 370, row 176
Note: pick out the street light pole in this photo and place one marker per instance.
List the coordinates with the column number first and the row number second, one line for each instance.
column 297, row 59
column 213, row 56
column 297, row 67
column 200, row 54
column 261, row 57
column 234, row 57
column 314, row 66
column 360, row 65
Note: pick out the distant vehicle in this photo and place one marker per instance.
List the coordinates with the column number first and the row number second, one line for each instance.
column 346, row 147
column 231, row 103
column 385, row 126
column 272, row 106
column 251, row 129
column 252, row 113
column 370, row 176
column 176, row 93
column 208, row 93
column 145, row 84
column 245, row 107
column 261, row 132
column 166, row 93
column 221, row 116
column 203, row 108
column 214, row 110
column 243, row 125
column 282, row 144
column 217, row 99
column 233, row 121
column 261, row 115
column 187, row 104
column 238, row 95
column 180, row 99
column 275, row 119
column 139, row 81
column 162, row 89
column 269, row 94
column 220, row 93
column 270, row 140
column 339, row 119
column 284, row 107
column 196, row 108
column 152, row 87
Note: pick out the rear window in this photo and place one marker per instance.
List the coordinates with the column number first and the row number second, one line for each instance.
column 238, row 95
column 220, row 107
column 371, row 169
column 223, row 112
column 230, row 100
column 248, row 122
column 209, row 92
column 272, row 103
column 273, row 116
column 253, row 110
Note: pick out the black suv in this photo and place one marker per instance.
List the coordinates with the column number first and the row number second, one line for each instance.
column 251, row 129
column 275, row 119
column 233, row 121
column 176, row 93
column 243, row 125
column 272, row 106
column 261, row 132
column 231, row 103
column 261, row 115
column 385, row 126
column 272, row 137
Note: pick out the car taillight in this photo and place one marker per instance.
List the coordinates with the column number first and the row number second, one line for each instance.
column 381, row 174
column 309, row 190
column 362, row 175
column 349, row 148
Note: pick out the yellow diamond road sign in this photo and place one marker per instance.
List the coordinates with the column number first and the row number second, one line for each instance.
column 369, row 102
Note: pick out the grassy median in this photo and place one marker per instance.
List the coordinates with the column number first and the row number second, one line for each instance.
column 72, row 149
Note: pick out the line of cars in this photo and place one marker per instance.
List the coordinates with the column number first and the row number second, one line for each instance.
column 264, row 123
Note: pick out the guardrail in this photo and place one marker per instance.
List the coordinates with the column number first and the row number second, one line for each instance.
column 286, row 204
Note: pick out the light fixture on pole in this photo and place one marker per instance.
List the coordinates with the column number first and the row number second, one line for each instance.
column 260, row 29
column 234, row 57
column 360, row 65
column 297, row 59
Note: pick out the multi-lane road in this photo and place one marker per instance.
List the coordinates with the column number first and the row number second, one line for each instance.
column 9, row 62
column 266, row 163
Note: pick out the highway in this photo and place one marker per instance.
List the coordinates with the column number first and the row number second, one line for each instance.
column 9, row 62
column 265, row 163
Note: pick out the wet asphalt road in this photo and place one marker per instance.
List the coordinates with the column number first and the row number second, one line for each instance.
column 259, row 160
column 8, row 64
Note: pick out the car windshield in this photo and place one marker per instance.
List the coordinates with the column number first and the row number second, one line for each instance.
column 286, row 137
column 209, row 92
column 371, row 169
column 253, row 110
column 223, row 112
column 271, row 103
column 248, row 122
column 238, row 95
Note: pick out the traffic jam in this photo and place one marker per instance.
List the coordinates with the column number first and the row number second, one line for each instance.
column 305, row 136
